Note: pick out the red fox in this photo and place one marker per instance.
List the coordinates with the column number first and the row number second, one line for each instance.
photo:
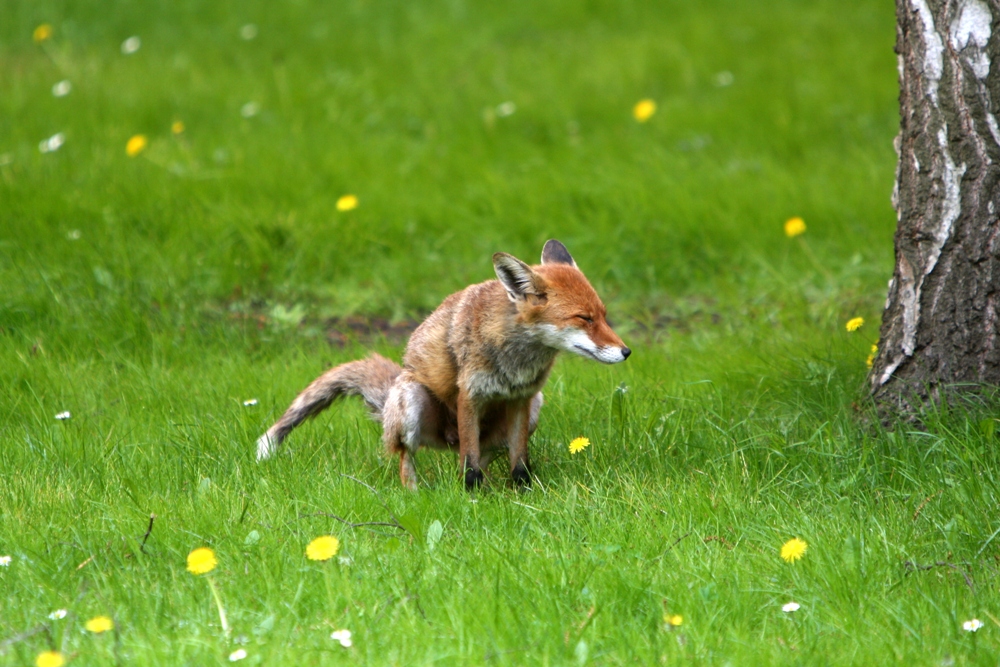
column 473, row 371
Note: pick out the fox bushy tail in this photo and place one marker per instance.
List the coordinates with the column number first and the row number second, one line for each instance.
column 369, row 378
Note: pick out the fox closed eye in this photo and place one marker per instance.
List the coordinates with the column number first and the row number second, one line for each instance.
column 588, row 320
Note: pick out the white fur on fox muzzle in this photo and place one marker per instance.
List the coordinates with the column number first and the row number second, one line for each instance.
column 578, row 342
column 606, row 355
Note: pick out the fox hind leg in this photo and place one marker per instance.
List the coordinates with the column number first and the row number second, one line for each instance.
column 407, row 470
column 411, row 417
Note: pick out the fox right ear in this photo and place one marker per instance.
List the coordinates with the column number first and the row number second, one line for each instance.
column 517, row 277
column 555, row 252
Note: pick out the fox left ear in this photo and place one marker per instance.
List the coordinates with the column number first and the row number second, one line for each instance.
column 555, row 252
column 517, row 277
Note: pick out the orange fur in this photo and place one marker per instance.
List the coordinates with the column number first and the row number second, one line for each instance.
column 473, row 370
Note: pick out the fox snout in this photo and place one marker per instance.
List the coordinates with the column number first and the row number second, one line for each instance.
column 595, row 341
column 602, row 345
column 606, row 355
column 623, row 351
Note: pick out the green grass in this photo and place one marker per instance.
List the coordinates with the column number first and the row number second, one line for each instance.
column 207, row 269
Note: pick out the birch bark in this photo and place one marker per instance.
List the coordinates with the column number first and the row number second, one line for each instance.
column 940, row 326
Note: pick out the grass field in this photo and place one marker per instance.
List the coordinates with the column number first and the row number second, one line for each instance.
column 151, row 295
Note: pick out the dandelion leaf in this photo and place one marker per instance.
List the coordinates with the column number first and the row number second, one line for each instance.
column 434, row 532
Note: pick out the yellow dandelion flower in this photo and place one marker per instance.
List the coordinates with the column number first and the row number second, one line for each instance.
column 644, row 110
column 201, row 561
column 99, row 624
column 794, row 227
column 793, row 549
column 578, row 445
column 855, row 323
column 42, row 33
column 871, row 357
column 675, row 620
column 50, row 659
column 323, row 548
column 347, row 203
column 136, row 145
column 177, row 127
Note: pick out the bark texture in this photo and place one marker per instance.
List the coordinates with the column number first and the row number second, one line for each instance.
column 940, row 327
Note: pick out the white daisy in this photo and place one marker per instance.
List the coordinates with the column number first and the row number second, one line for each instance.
column 505, row 109
column 973, row 625
column 250, row 401
column 249, row 110
column 342, row 636
column 63, row 415
column 5, row 561
column 131, row 45
column 723, row 79
column 53, row 143
column 62, row 89
column 58, row 614
column 248, row 32
column 238, row 654
column 790, row 607
column 73, row 235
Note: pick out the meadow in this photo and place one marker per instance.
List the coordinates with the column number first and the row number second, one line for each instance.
column 172, row 293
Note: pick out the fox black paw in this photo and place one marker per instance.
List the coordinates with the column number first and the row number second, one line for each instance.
column 473, row 479
column 521, row 474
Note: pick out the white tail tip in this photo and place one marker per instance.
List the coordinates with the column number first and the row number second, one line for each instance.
column 265, row 447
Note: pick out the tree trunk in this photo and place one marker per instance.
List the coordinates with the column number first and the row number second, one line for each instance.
column 940, row 326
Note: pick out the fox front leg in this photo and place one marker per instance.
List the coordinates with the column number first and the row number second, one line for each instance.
column 518, row 431
column 468, row 440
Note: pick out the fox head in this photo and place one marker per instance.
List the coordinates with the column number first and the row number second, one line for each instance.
column 555, row 300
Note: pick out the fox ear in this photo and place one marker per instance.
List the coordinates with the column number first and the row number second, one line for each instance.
column 517, row 277
column 555, row 252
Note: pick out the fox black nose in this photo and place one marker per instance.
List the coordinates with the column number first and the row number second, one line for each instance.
column 626, row 352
